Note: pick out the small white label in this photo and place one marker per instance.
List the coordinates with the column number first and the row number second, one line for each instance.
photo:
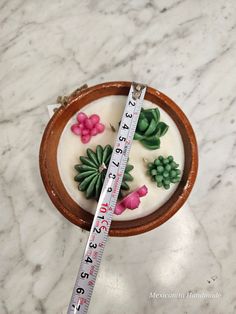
column 51, row 109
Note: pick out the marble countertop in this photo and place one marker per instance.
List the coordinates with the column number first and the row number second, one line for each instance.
column 187, row 50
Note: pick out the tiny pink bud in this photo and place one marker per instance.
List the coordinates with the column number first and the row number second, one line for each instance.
column 119, row 209
column 142, row 191
column 81, row 126
column 100, row 127
column 85, row 138
column 94, row 131
column 85, row 132
column 88, row 124
column 94, row 118
column 81, row 117
column 75, row 129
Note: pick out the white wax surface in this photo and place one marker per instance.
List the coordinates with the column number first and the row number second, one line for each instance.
column 110, row 110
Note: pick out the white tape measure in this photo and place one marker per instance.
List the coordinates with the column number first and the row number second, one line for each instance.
column 88, row 270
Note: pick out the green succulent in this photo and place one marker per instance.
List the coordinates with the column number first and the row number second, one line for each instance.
column 92, row 172
column 164, row 171
column 150, row 128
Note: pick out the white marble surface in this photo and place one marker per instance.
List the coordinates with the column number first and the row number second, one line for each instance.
column 185, row 49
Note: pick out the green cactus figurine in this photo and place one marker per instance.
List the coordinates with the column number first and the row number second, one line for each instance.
column 92, row 172
column 150, row 129
column 164, row 171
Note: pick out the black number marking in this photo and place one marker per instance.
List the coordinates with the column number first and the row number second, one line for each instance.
column 84, row 275
column 92, row 246
column 117, row 165
column 76, row 307
column 101, row 217
column 125, row 126
column 131, row 104
column 118, row 151
column 88, row 260
column 128, row 115
column 121, row 138
column 80, row 290
column 108, row 190
column 111, row 175
column 96, row 230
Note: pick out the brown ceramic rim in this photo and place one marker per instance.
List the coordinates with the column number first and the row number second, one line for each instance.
column 56, row 190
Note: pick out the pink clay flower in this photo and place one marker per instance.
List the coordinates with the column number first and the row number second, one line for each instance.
column 131, row 201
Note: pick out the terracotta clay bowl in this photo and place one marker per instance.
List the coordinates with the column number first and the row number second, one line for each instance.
column 54, row 185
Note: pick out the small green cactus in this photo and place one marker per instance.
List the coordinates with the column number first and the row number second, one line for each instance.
column 92, row 171
column 164, row 171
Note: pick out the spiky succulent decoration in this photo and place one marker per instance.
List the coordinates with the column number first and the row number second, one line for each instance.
column 92, row 172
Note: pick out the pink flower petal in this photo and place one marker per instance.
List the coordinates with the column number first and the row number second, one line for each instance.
column 81, row 117
column 100, row 127
column 131, row 201
column 85, row 132
column 88, row 124
column 81, row 126
column 94, row 131
column 85, row 138
column 76, row 129
column 119, row 209
column 94, row 118
column 142, row 191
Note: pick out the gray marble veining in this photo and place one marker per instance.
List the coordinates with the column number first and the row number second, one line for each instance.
column 184, row 48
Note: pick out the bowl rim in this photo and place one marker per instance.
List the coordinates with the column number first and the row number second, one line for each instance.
column 61, row 198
